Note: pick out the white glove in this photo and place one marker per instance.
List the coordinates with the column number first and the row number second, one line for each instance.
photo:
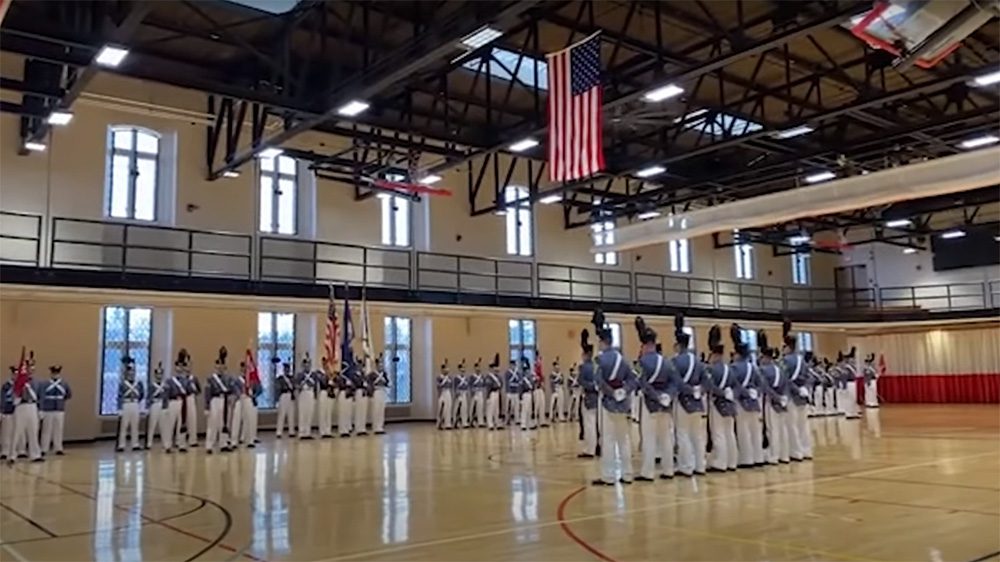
column 619, row 394
column 728, row 394
column 803, row 392
column 696, row 391
column 783, row 401
column 664, row 399
column 753, row 393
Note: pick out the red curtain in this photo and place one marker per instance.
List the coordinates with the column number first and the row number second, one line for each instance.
column 939, row 389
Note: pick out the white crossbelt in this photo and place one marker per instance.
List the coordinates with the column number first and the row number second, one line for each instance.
column 690, row 369
column 746, row 379
column 55, row 385
column 798, row 367
column 725, row 376
column 130, row 390
column 656, row 372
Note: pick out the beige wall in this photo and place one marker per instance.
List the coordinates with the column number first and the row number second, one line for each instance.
column 64, row 326
column 68, row 181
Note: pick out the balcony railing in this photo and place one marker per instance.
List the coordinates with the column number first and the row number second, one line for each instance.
column 135, row 247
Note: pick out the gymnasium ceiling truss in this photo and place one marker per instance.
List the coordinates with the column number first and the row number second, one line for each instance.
column 749, row 69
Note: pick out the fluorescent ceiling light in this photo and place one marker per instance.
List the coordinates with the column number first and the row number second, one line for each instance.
column 500, row 212
column 648, row 215
column 691, row 115
column 550, row 199
column 230, row 174
column 987, row 79
column 793, row 132
column 429, row 180
column 800, row 239
column 663, row 93
column 821, row 176
column 35, row 146
column 60, row 118
column 650, row 171
column 951, row 234
column 522, row 145
column 979, row 141
column 352, row 108
column 272, row 152
column 909, row 250
column 898, row 223
column 111, row 56
column 481, row 36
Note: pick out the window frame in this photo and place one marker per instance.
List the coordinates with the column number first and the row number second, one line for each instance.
column 743, row 254
column 395, row 210
column 274, row 347
column 140, row 375
column 679, row 255
column 518, row 219
column 801, row 268
column 521, row 347
column 616, row 334
column 276, row 176
column 603, row 234
column 392, row 349
column 805, row 341
column 134, row 155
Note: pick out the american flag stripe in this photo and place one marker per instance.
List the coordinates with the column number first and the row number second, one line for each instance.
column 330, row 337
column 574, row 108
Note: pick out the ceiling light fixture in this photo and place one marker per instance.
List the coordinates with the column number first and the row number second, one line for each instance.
column 984, row 140
column 793, row 132
column 35, row 146
column 799, row 239
column 522, row 145
column 429, row 179
column 111, row 56
column 898, row 223
column 987, row 79
column 272, row 152
column 650, row 171
column 481, row 36
column 663, row 93
column 821, row 176
column 648, row 215
column 952, row 234
column 550, row 199
column 231, row 174
column 59, row 117
column 352, row 108
column 909, row 250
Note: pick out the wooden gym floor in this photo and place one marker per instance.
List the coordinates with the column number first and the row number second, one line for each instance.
column 905, row 483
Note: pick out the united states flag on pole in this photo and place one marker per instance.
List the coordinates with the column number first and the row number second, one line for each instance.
column 330, row 350
column 575, row 99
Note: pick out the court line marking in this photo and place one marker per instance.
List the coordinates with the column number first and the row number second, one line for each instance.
column 561, row 517
column 916, row 482
column 851, row 499
column 508, row 529
column 987, row 557
column 29, row 520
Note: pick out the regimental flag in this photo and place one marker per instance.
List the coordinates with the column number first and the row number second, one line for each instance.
column 882, row 367
column 330, row 334
column 538, row 369
column 23, row 374
column 366, row 333
column 575, row 98
column 346, row 351
column 253, row 375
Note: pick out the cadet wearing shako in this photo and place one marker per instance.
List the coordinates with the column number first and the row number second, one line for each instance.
column 243, row 421
column 539, row 405
column 345, row 400
column 749, row 434
column 380, row 393
column 493, row 386
column 827, row 406
column 478, row 385
column 849, row 387
column 575, row 393
column 775, row 384
column 527, row 394
column 156, row 408
column 7, row 416
column 217, row 393
column 721, row 380
column 189, row 411
column 557, row 388
column 590, row 398
column 305, row 397
column 461, row 396
column 176, row 395
column 615, row 380
column 362, row 395
column 55, row 393
column 130, row 394
column 689, row 405
column 326, row 399
column 444, row 408
column 284, row 385
column 512, row 390
column 656, row 378
column 871, row 382
column 796, row 370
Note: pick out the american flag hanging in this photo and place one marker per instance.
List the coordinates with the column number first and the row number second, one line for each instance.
column 575, row 99
column 330, row 350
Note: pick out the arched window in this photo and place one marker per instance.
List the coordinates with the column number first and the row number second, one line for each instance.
column 132, row 173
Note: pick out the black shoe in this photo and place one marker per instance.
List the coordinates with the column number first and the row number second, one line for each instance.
column 666, row 477
column 685, row 474
column 600, row 482
column 136, row 449
column 746, row 466
column 182, row 450
column 3, row 457
column 208, row 451
column 585, row 456
column 277, row 436
column 250, row 445
column 167, row 451
column 783, row 462
column 793, row 459
column 713, row 469
column 379, row 433
column 306, row 438
column 803, row 458
column 643, row 479
column 730, row 470
column 362, row 433
column 626, row 482
column 700, row 472
column 657, row 460
column 39, row 459
column 22, row 456
column 345, row 434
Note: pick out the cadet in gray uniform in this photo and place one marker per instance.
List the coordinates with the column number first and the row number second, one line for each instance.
column 460, row 391
column 379, row 382
column 306, row 386
column 478, row 399
column 690, row 404
column 326, row 398
column 130, row 394
column 871, row 382
column 156, row 408
column 284, row 385
column 177, row 391
column 590, row 398
column 444, row 408
column 188, row 420
column 775, row 384
column 796, row 371
column 575, row 393
column 7, row 416
column 615, row 380
column 493, row 386
column 54, row 396
column 513, row 393
column 749, row 433
column 345, row 401
column 527, row 394
column 217, row 392
column 721, row 380
column 557, row 399
column 656, row 378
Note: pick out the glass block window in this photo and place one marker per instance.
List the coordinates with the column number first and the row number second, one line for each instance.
column 125, row 331
column 398, row 333
column 522, row 337
column 275, row 338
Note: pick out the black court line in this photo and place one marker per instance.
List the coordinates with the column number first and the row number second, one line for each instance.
column 987, row 557
column 921, row 483
column 30, row 521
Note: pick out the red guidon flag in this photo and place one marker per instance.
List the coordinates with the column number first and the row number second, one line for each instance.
column 575, row 99
column 253, row 375
column 882, row 368
column 22, row 376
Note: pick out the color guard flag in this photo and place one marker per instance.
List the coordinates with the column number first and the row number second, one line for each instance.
column 882, row 367
column 575, row 98
column 346, row 351
column 253, row 375
column 23, row 374
column 330, row 351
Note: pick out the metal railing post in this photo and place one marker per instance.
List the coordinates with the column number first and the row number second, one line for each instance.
column 124, row 247
column 190, row 253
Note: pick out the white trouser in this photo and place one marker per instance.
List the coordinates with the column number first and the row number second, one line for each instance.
column 525, row 409
column 777, row 435
column 799, row 435
column 842, row 401
column 325, row 413
column 615, row 444
column 191, row 420
column 575, row 397
column 634, row 414
column 557, row 405
column 378, row 409
column 851, row 396
column 511, row 407
column 590, row 431
column 657, row 441
column 725, row 451
column 749, row 437
column 249, row 423
column 461, row 412
column 128, row 423
column 444, row 409
column 52, row 431
column 493, row 410
column 538, row 400
column 479, row 406
column 344, row 403
column 155, row 421
column 7, row 435
column 213, row 429
column 172, row 428
column 360, row 412
column 690, row 440
column 286, row 414
column 307, row 403
column 871, row 394
column 235, row 421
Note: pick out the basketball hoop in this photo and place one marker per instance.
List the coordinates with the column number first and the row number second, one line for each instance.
column 837, row 245
column 901, row 29
column 405, row 188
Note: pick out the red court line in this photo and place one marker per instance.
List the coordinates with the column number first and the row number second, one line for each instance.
column 561, row 517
